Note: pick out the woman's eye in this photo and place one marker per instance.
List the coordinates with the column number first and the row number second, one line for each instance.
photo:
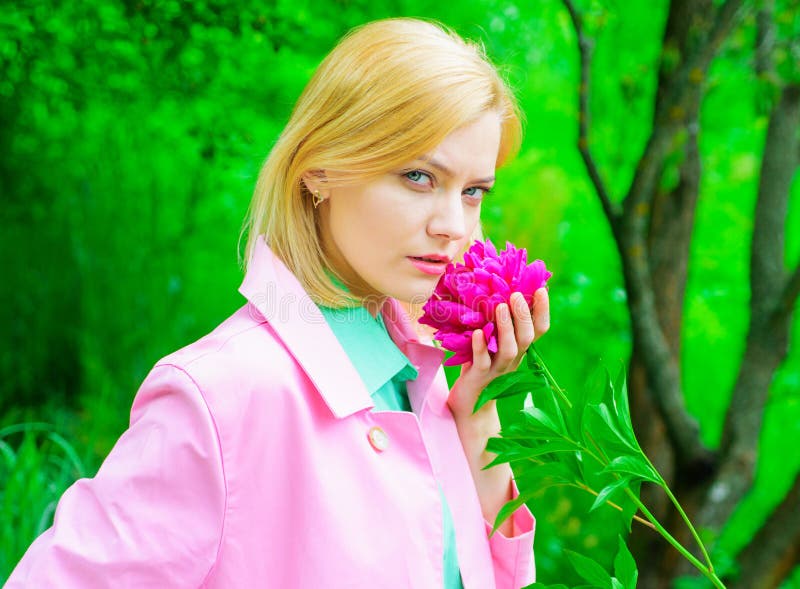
column 418, row 177
column 476, row 192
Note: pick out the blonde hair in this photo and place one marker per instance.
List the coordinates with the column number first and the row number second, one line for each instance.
column 389, row 91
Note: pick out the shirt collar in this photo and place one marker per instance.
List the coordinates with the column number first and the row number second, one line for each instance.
column 368, row 345
column 389, row 336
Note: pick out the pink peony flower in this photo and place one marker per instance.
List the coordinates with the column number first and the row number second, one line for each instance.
column 467, row 295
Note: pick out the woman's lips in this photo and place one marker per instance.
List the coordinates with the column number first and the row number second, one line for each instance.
column 428, row 267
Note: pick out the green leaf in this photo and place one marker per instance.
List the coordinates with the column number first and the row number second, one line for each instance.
column 611, row 422
column 526, row 453
column 508, row 509
column 633, row 465
column 549, row 474
column 507, row 385
column 68, row 450
column 536, row 417
column 9, row 457
column 616, row 438
column 620, row 386
column 589, row 570
column 629, row 508
column 622, row 406
column 609, row 491
column 539, row 369
column 550, row 403
column 529, row 430
column 502, row 444
column 590, row 470
column 531, row 359
column 625, row 567
column 597, row 385
column 574, row 416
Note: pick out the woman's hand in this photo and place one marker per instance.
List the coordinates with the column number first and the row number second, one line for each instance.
column 517, row 328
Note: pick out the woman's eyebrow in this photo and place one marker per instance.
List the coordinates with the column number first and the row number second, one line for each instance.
column 444, row 169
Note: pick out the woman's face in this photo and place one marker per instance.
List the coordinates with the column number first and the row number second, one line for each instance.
column 376, row 232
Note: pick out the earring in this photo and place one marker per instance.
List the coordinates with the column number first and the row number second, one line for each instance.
column 317, row 199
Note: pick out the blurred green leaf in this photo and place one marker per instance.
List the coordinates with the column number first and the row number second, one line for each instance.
column 541, row 476
column 37, row 465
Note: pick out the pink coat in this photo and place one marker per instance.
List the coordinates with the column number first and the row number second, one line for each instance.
column 249, row 464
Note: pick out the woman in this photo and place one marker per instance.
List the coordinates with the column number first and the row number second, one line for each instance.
column 311, row 440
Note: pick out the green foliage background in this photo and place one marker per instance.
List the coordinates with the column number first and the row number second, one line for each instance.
column 131, row 134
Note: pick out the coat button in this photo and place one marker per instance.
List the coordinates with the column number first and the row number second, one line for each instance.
column 378, row 438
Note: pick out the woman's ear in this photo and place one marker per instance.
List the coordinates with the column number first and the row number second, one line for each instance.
column 315, row 181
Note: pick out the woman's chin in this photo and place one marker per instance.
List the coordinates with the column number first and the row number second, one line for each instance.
column 416, row 296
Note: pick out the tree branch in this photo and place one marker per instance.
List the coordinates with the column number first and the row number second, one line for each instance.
column 585, row 50
column 788, row 298
column 777, row 170
column 663, row 371
column 765, row 39
column 691, row 72
column 726, row 17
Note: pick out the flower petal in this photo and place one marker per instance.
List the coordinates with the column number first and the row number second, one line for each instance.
column 467, row 295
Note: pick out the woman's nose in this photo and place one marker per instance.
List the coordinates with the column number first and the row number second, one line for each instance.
column 448, row 218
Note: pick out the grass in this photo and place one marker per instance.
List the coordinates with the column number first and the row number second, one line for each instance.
column 36, row 465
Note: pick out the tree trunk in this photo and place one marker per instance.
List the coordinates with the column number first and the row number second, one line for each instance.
column 768, row 337
column 775, row 549
column 668, row 242
column 652, row 229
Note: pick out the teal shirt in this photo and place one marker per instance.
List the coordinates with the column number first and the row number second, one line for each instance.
column 385, row 370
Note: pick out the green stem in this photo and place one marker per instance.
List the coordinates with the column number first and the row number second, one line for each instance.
column 708, row 572
column 685, row 517
column 550, row 379
column 695, row 535
column 598, row 448
column 588, row 489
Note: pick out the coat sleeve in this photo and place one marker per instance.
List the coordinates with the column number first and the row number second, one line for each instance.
column 153, row 515
column 512, row 558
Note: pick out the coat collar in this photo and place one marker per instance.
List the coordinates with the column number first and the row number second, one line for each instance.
column 278, row 297
column 425, row 358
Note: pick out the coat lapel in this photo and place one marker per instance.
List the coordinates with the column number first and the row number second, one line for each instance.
column 426, row 359
column 278, row 297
